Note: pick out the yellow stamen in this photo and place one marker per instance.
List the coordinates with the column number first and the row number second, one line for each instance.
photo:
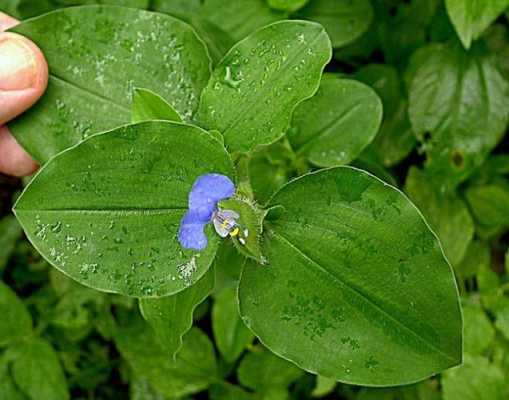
column 235, row 232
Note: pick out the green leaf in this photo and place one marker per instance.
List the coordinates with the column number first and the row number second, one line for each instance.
column 479, row 333
column 149, row 106
column 239, row 18
column 230, row 333
column 337, row 123
column 287, row 5
column 471, row 17
column 193, row 371
column 502, row 317
column 476, row 379
column 37, row 371
column 396, row 139
column 177, row 6
column 172, row 316
column 446, row 213
column 253, row 91
column 459, row 106
column 16, row 321
column 261, row 370
column 10, row 232
column 107, row 211
column 92, row 80
column 344, row 20
column 356, row 287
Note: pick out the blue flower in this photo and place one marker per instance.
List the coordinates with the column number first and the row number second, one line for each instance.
column 206, row 192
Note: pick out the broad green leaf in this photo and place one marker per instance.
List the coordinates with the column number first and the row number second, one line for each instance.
column 446, row 213
column 478, row 332
column 253, row 91
column 476, row 379
column 16, row 321
column 344, row 20
column 356, row 287
column 459, row 107
column 228, row 266
column 194, row 369
column 8, row 389
column 140, row 389
column 287, row 5
column 172, row 316
column 471, row 17
column 230, row 333
column 92, row 80
column 10, row 232
column 396, row 138
column 337, row 123
column 149, row 106
column 239, row 18
column 261, row 370
column 37, row 371
column 107, row 211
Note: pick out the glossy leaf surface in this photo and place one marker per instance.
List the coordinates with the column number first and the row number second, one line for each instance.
column 91, row 80
column 459, row 107
column 107, row 211
column 148, row 106
column 255, row 88
column 337, row 123
column 356, row 287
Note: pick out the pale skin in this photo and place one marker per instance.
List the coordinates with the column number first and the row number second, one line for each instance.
column 23, row 80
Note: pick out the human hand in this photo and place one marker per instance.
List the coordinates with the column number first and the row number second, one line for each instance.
column 23, row 79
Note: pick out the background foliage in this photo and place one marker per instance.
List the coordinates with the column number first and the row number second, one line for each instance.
column 441, row 70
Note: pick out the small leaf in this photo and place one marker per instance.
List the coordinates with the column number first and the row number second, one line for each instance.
column 107, row 211
column 37, row 371
column 253, row 91
column 226, row 391
column 471, row 17
column 149, row 106
column 172, row 316
column 261, row 370
column 239, row 18
column 356, row 287
column 337, row 123
column 344, row 20
column 92, row 80
column 446, row 213
column 458, row 107
column 193, row 371
column 230, row 333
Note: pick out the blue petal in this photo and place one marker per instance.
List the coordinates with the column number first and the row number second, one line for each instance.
column 191, row 233
column 207, row 191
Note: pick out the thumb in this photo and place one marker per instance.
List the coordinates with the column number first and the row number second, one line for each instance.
column 23, row 75
column 23, row 79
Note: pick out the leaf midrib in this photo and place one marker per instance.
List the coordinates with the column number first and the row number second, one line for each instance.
column 366, row 299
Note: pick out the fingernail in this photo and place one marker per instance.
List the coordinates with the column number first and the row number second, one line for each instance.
column 17, row 65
